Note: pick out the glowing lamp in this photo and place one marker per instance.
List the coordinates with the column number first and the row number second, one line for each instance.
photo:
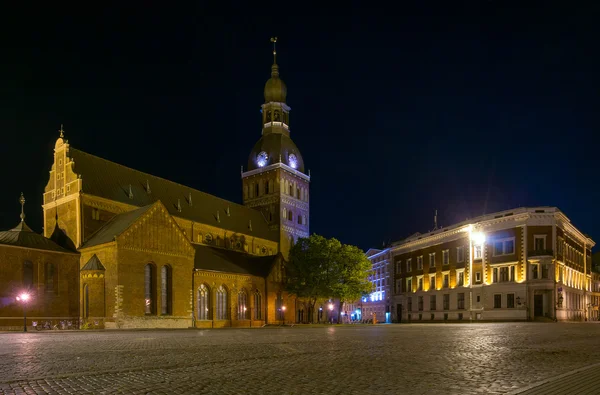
column 478, row 238
column 283, row 308
column 330, row 306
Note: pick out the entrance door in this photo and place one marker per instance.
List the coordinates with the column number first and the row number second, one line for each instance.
column 538, row 305
column 399, row 312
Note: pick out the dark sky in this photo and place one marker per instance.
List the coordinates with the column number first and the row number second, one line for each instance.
column 467, row 110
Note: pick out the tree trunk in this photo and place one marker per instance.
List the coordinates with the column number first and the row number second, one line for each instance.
column 340, row 306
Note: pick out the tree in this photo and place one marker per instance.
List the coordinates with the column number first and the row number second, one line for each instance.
column 320, row 268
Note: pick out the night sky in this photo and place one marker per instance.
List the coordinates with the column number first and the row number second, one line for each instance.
column 465, row 110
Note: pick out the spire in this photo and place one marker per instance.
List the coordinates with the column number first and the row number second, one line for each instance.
column 62, row 132
column 22, row 201
column 274, row 68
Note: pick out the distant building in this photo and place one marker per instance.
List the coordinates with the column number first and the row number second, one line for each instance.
column 379, row 301
column 521, row 264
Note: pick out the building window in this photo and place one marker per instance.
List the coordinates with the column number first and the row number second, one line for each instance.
column 534, row 271
column 27, row 274
column 420, row 301
column 460, row 254
column 166, row 291
column 291, row 190
column 445, row 257
column 460, row 278
column 242, row 305
column 149, row 288
column 478, row 277
column 539, row 242
column 399, row 286
column 49, row 277
column 208, row 239
column 397, row 266
column 432, row 303
column 256, row 189
column 460, row 316
column 446, row 301
column 86, row 301
column 221, row 303
column 203, row 302
column 290, row 215
column 409, row 285
column 420, row 262
column 267, row 184
column 299, row 219
column 95, row 214
column 432, row 259
column 279, row 307
column 477, row 252
column 504, row 247
column 446, row 280
column 409, row 265
column 432, row 282
column 409, row 304
column 545, row 271
column 497, row 301
column 420, row 286
column 510, row 301
column 257, row 305
column 559, row 245
column 460, row 301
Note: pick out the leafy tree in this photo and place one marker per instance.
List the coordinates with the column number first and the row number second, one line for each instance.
column 320, row 268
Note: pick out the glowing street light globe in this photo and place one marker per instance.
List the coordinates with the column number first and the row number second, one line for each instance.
column 330, row 306
column 478, row 238
column 24, row 297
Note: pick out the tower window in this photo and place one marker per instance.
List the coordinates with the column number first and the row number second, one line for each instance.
column 267, row 187
column 290, row 215
column 298, row 193
column 300, row 219
column 291, row 190
column 256, row 190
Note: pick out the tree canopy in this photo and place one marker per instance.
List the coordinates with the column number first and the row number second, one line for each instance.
column 325, row 268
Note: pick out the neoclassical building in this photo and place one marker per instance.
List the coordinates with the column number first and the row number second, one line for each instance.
column 520, row 264
column 155, row 253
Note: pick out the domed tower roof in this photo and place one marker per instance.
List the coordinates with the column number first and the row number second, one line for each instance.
column 275, row 89
column 274, row 148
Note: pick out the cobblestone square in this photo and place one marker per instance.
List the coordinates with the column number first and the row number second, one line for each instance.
column 408, row 359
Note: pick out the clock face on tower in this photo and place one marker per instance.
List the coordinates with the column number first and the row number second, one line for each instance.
column 293, row 161
column 261, row 159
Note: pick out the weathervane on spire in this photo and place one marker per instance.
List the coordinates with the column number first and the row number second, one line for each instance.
column 274, row 41
column 22, row 201
column 62, row 132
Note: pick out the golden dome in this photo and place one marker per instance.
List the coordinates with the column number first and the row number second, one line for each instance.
column 275, row 89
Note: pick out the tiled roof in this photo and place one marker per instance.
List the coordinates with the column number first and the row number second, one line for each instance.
column 23, row 236
column 117, row 225
column 221, row 260
column 112, row 181
column 93, row 264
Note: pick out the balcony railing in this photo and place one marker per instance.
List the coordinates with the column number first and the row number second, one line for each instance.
column 533, row 253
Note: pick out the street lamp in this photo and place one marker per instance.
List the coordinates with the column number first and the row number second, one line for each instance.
column 23, row 298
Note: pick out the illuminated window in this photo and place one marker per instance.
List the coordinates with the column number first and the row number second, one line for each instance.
column 460, row 278
column 477, row 252
column 539, row 242
column 445, row 257
column 432, row 259
column 446, row 280
column 257, row 305
column 221, row 304
column 290, row 215
column 409, row 265
column 432, row 282
column 420, row 284
column 149, row 288
column 203, row 302
column 420, row 262
column 243, row 311
column 409, row 285
column 478, row 277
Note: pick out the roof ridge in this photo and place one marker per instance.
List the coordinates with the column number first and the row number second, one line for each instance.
column 164, row 179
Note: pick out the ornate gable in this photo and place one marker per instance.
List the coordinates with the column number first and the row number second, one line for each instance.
column 156, row 232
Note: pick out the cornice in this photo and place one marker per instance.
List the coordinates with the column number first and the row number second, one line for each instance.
column 274, row 166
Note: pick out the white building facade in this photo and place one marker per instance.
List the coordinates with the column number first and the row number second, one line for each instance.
column 521, row 264
column 378, row 304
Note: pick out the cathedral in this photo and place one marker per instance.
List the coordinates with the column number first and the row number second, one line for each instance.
column 125, row 249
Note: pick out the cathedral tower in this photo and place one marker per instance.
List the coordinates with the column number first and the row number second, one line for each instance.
column 275, row 182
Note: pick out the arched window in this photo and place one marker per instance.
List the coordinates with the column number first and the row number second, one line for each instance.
column 203, row 302
column 149, row 289
column 242, row 305
column 267, row 183
column 221, row 304
column 27, row 274
column 304, row 220
column 86, row 301
column 284, row 212
column 290, row 215
column 271, row 186
column 298, row 193
column 299, row 219
column 291, row 190
column 166, row 290
column 286, row 187
column 49, row 277
column 280, row 308
column 257, row 305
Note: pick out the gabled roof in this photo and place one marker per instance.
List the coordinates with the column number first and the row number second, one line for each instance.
column 93, row 264
column 112, row 181
column 117, row 225
column 222, row 260
column 23, row 236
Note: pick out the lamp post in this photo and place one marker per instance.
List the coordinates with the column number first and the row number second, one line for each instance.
column 23, row 298
column 330, row 307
